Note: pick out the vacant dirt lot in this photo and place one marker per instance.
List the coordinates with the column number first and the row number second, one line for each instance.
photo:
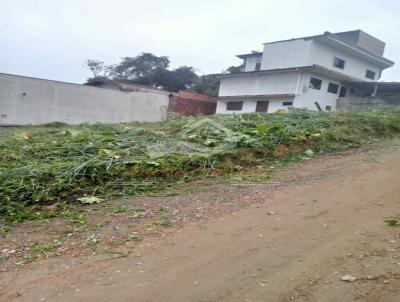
column 292, row 239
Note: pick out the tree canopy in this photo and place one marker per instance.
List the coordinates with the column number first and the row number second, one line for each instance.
column 149, row 69
column 142, row 68
column 96, row 67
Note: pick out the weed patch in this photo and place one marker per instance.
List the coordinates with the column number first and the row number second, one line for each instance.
column 393, row 222
column 45, row 165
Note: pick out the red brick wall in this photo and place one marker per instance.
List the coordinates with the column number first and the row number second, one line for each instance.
column 191, row 103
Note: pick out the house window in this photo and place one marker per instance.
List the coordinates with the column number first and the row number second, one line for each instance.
column 370, row 74
column 333, row 88
column 234, row 106
column 315, row 83
column 339, row 63
column 258, row 66
column 287, row 103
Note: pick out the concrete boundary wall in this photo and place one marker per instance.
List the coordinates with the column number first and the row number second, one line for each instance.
column 368, row 103
column 25, row 100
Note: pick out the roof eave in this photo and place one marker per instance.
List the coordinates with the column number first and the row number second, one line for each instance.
column 278, row 70
column 258, row 96
column 246, row 55
column 294, row 39
column 311, row 68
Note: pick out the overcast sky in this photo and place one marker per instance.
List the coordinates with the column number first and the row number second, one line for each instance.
column 52, row 38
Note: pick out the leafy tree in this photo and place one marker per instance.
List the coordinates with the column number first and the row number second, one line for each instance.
column 235, row 69
column 145, row 69
column 181, row 78
column 96, row 67
column 207, row 84
column 140, row 69
column 149, row 69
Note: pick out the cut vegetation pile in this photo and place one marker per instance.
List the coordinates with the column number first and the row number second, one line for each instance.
column 51, row 164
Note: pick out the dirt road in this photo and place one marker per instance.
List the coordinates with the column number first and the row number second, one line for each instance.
column 325, row 220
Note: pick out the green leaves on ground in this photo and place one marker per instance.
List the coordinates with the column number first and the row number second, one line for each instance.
column 48, row 164
column 393, row 222
column 90, row 200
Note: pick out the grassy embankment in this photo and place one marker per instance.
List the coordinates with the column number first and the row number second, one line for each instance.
column 58, row 164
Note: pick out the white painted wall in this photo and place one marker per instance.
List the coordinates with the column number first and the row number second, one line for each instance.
column 297, row 53
column 307, row 96
column 50, row 101
column 276, row 105
column 249, row 106
column 323, row 55
column 258, row 84
column 286, row 54
column 250, row 63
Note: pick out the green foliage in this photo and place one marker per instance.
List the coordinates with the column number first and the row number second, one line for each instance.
column 39, row 249
column 163, row 210
column 78, row 218
column 4, row 229
column 235, row 69
column 90, row 200
column 207, row 84
column 49, row 164
column 180, row 78
column 159, row 223
column 149, row 69
column 135, row 238
column 95, row 66
column 144, row 69
column 93, row 240
column 140, row 68
column 393, row 222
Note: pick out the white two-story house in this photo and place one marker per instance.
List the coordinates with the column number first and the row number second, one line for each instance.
column 309, row 72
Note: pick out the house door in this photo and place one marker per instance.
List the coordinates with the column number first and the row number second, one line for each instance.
column 342, row 92
column 262, row 106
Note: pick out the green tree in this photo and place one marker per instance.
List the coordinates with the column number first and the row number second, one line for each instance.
column 207, row 84
column 149, row 69
column 180, row 78
column 235, row 69
column 140, row 69
column 96, row 67
column 145, row 69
